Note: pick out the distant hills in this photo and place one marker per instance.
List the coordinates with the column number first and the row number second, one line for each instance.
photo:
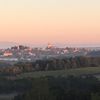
column 94, row 54
column 7, row 44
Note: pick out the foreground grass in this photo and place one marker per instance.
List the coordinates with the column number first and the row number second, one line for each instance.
column 7, row 96
column 75, row 72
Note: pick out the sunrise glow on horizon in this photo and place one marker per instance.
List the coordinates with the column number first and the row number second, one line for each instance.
column 56, row 21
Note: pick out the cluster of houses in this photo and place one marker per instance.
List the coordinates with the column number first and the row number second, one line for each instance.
column 25, row 53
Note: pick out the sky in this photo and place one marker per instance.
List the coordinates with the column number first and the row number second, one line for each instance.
column 63, row 22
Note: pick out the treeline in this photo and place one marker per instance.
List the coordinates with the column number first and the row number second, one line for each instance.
column 53, row 64
column 60, row 64
column 63, row 88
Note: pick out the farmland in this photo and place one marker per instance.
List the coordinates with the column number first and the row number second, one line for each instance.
column 59, row 73
column 75, row 72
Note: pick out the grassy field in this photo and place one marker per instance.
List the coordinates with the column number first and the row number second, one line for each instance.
column 76, row 72
column 7, row 96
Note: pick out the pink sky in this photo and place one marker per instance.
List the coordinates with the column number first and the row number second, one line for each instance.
column 63, row 22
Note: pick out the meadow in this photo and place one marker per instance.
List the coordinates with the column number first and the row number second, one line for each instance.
column 76, row 72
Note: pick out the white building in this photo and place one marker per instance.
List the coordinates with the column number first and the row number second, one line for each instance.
column 6, row 54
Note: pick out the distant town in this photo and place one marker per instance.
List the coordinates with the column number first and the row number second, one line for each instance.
column 25, row 53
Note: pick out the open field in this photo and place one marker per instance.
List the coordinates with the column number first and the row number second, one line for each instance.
column 75, row 72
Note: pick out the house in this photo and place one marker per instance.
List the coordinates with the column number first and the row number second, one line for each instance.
column 6, row 54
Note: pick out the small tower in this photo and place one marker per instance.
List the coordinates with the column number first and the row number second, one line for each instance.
column 49, row 45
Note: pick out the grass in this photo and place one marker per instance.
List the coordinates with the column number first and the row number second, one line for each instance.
column 7, row 96
column 75, row 72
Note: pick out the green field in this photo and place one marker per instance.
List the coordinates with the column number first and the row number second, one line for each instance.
column 75, row 72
